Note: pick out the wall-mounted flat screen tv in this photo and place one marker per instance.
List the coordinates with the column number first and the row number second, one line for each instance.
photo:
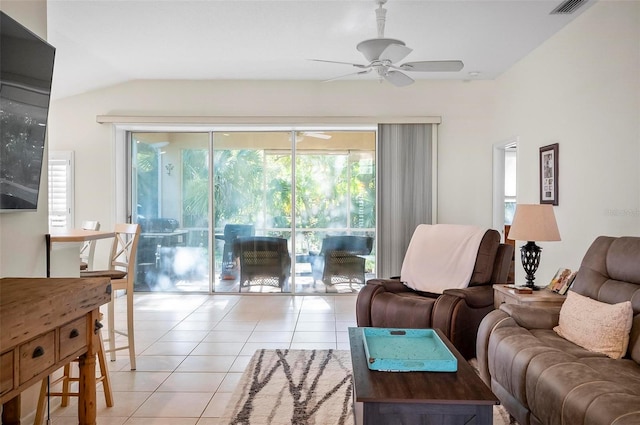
column 26, row 72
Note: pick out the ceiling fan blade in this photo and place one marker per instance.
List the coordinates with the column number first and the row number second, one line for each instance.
column 357, row 65
column 366, row 71
column 317, row 135
column 395, row 52
column 398, row 79
column 432, row 66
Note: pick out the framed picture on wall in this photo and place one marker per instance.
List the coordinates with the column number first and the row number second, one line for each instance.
column 549, row 174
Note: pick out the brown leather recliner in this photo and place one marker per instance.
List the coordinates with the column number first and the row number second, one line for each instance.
column 388, row 303
column 542, row 378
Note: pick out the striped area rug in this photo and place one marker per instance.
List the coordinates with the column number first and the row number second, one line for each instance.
column 294, row 387
column 300, row 387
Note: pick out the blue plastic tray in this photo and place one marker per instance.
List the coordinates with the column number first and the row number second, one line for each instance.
column 406, row 350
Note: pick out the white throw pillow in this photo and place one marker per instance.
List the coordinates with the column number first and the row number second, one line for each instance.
column 596, row 326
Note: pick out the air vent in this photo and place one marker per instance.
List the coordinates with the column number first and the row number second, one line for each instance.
column 568, row 6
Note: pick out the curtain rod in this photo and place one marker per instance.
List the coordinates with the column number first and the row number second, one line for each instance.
column 276, row 120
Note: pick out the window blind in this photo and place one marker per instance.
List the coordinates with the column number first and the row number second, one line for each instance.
column 60, row 189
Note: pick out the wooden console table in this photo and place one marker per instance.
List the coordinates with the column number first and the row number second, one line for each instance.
column 44, row 324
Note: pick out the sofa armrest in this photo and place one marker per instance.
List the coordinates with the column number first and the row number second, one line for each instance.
column 493, row 320
column 474, row 296
column 510, row 315
column 369, row 292
column 458, row 313
column 530, row 317
column 390, row 285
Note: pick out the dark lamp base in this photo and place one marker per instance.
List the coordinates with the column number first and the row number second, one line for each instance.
column 530, row 256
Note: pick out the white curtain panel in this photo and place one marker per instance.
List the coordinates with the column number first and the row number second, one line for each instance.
column 405, row 198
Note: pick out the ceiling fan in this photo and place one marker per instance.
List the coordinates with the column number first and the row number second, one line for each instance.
column 382, row 54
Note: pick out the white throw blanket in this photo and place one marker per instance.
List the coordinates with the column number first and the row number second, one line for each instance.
column 441, row 256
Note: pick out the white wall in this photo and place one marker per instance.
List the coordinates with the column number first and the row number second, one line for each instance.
column 580, row 89
column 22, row 243
column 465, row 143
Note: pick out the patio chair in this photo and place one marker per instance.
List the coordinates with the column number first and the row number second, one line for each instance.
column 231, row 232
column 340, row 260
column 264, row 261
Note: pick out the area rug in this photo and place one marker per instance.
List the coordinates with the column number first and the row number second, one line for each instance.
column 302, row 387
column 299, row 387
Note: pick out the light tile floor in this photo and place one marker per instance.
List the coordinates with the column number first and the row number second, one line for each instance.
column 192, row 350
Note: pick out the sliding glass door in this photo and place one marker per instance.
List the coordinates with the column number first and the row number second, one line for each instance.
column 255, row 211
column 335, row 192
column 170, row 192
column 252, row 176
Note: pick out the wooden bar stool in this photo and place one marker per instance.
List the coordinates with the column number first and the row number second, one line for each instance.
column 122, row 274
column 89, row 247
column 67, row 379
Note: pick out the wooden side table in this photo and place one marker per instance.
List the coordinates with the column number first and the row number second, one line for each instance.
column 502, row 294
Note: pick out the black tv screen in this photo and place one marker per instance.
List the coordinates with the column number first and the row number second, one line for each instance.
column 26, row 72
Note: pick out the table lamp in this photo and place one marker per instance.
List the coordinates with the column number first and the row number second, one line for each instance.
column 533, row 222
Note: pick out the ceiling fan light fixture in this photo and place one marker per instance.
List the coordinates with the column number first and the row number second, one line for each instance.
column 373, row 48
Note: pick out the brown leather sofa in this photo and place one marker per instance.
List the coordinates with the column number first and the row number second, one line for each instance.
column 388, row 303
column 540, row 377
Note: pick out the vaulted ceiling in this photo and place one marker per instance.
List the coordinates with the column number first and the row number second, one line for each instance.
column 101, row 43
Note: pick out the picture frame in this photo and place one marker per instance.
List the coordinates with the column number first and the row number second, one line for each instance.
column 549, row 174
column 559, row 280
column 567, row 283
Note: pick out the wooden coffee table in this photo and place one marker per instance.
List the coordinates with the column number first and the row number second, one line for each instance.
column 418, row 397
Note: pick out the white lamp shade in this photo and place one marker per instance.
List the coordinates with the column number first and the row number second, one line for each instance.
column 534, row 222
